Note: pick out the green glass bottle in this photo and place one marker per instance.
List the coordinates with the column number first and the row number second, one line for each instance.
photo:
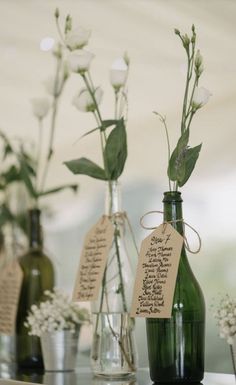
column 176, row 344
column 38, row 276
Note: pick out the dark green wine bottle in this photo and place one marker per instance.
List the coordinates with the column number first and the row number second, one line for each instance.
column 176, row 345
column 38, row 276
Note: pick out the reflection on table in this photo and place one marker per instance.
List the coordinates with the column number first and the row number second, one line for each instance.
column 83, row 376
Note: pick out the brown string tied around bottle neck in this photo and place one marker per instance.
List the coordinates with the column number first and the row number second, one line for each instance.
column 123, row 217
column 173, row 221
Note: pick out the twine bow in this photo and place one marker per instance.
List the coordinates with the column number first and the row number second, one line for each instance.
column 173, row 221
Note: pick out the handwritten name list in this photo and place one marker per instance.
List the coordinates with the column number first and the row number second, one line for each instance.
column 156, row 273
column 93, row 259
column 10, row 284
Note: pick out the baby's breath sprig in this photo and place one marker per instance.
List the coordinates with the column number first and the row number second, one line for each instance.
column 56, row 313
column 226, row 318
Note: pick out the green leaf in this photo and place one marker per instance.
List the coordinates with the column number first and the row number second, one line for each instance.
column 22, row 222
column 7, row 150
column 116, row 150
column 191, row 157
column 172, row 168
column 105, row 124
column 176, row 167
column 85, row 166
column 108, row 123
column 183, row 140
column 11, row 175
column 29, row 162
column 7, row 145
column 54, row 190
column 5, row 215
column 25, row 173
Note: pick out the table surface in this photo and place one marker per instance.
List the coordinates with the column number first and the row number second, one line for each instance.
column 83, row 376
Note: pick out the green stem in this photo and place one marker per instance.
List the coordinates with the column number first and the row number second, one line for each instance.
column 191, row 117
column 120, row 268
column 91, row 89
column 191, row 97
column 116, row 103
column 50, row 147
column 119, row 339
column 60, row 32
column 185, row 96
column 192, row 59
column 102, row 298
column 57, row 95
column 163, row 120
column 39, row 153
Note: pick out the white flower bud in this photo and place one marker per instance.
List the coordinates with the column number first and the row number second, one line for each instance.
column 84, row 101
column 79, row 60
column 198, row 59
column 198, row 63
column 40, row 107
column 186, row 40
column 77, row 38
column 200, row 97
column 118, row 73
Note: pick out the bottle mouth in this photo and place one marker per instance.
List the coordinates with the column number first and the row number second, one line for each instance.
column 172, row 196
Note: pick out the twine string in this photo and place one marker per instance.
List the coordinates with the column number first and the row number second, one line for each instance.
column 123, row 217
column 173, row 221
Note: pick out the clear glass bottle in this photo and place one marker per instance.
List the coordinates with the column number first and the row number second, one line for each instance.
column 176, row 345
column 38, row 276
column 113, row 353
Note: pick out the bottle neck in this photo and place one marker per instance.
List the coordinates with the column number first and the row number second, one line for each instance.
column 113, row 198
column 173, row 210
column 35, row 233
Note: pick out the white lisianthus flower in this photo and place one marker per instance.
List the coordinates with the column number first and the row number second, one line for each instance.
column 77, row 38
column 118, row 73
column 84, row 101
column 79, row 60
column 200, row 97
column 40, row 107
column 198, row 59
column 198, row 63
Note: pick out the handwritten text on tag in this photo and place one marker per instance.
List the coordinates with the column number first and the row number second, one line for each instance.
column 93, row 260
column 10, row 284
column 156, row 273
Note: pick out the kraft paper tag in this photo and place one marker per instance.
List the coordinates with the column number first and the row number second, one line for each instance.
column 156, row 273
column 10, row 284
column 93, row 260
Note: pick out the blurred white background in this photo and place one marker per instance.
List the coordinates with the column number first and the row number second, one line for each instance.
column 143, row 28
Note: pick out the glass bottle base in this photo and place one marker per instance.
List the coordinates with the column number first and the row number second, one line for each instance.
column 115, row 376
column 113, row 354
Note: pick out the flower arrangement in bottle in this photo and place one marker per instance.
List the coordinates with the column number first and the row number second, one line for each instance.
column 176, row 344
column 36, row 265
column 113, row 351
column 182, row 160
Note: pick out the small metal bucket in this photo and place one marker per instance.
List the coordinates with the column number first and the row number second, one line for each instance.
column 60, row 350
